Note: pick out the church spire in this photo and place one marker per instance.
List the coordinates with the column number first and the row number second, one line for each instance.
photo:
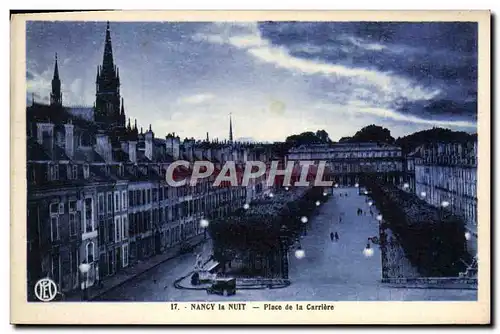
column 230, row 130
column 55, row 95
column 107, row 61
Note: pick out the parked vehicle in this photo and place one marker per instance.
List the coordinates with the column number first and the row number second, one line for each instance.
column 223, row 286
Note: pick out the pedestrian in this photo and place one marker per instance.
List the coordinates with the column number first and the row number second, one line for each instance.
column 336, row 236
column 331, row 236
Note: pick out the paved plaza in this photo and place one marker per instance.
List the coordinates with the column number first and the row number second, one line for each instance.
column 330, row 271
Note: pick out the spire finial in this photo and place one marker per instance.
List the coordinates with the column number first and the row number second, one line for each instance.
column 230, row 128
column 150, row 127
column 135, row 123
column 107, row 25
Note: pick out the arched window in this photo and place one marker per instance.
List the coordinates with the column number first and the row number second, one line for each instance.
column 90, row 252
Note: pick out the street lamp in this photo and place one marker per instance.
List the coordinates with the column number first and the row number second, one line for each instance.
column 366, row 192
column 304, row 219
column 84, row 269
column 246, row 206
column 356, row 185
column 370, row 203
column 379, row 218
column 368, row 251
column 423, row 194
column 467, row 235
column 271, row 195
column 406, row 186
column 286, row 188
column 318, row 203
column 336, row 185
column 445, row 204
column 204, row 224
column 299, row 253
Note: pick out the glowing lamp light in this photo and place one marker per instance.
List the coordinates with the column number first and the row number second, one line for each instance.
column 246, row 206
column 445, row 204
column 366, row 192
column 271, row 195
column 286, row 188
column 379, row 217
column 368, row 251
column 204, row 223
column 406, row 186
column 300, row 254
column 325, row 194
column 467, row 235
column 304, row 219
column 370, row 203
column 84, row 268
column 423, row 194
column 318, row 203
column 336, row 185
column 356, row 185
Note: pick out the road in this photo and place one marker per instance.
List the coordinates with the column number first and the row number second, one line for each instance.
column 330, row 271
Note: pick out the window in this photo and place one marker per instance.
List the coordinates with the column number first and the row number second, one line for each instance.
column 72, row 223
column 124, row 232
column 74, row 172
column 111, row 230
column 90, row 252
column 54, row 172
column 54, row 227
column 86, row 171
column 102, row 233
column 117, row 228
column 74, row 261
column 125, row 255
column 130, row 198
column 117, row 201
column 124, row 200
column 110, row 202
column 100, row 197
column 56, row 268
column 88, row 217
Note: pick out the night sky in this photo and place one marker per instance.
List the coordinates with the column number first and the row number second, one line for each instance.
column 276, row 78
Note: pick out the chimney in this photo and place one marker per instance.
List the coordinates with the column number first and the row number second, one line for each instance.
column 45, row 135
column 103, row 147
column 148, row 138
column 188, row 149
column 69, row 141
column 132, row 151
column 124, row 145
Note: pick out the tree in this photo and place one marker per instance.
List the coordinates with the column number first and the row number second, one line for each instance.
column 372, row 133
column 309, row 138
column 411, row 142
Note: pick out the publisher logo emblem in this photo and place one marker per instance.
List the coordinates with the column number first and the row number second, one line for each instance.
column 45, row 289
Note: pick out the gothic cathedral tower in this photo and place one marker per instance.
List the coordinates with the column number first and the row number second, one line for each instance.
column 55, row 95
column 107, row 105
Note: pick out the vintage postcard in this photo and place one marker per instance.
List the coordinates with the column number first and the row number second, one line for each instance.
column 251, row 168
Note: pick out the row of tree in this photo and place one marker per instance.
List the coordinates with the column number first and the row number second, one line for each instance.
column 260, row 231
column 378, row 134
column 433, row 239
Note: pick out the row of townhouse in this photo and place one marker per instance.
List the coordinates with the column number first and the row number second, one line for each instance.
column 98, row 199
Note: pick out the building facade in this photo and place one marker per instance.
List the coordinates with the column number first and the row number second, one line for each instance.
column 347, row 163
column 446, row 175
column 97, row 190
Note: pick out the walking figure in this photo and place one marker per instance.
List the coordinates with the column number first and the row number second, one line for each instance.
column 331, row 236
column 336, row 236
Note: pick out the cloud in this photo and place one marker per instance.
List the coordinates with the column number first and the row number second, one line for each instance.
column 196, row 99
